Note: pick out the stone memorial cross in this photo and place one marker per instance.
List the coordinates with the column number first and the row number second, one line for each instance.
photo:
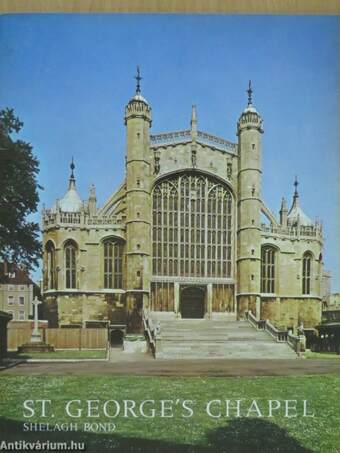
column 36, row 336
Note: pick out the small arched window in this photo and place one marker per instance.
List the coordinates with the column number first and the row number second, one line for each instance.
column 268, row 269
column 113, row 264
column 70, row 252
column 50, row 266
column 306, row 273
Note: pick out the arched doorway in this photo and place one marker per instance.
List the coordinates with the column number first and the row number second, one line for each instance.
column 192, row 302
column 116, row 338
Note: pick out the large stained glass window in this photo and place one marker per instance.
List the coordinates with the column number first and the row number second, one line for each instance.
column 192, row 227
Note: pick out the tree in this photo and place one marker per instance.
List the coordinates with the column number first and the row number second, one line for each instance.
column 19, row 237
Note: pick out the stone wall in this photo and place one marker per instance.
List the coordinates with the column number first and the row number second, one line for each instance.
column 50, row 310
column 289, row 255
column 177, row 157
column 68, row 309
column 288, row 313
column 245, row 303
column 90, row 254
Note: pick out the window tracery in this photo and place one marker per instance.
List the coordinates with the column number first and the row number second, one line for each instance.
column 306, row 273
column 70, row 253
column 192, row 227
column 268, row 269
column 113, row 264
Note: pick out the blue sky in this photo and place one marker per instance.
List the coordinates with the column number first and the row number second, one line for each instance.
column 68, row 77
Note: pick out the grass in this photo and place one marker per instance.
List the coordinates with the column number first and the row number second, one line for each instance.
column 65, row 354
column 197, row 434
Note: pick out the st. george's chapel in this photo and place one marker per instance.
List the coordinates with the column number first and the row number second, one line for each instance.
column 182, row 236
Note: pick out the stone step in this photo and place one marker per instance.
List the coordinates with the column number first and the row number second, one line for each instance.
column 227, row 350
column 206, row 339
column 214, row 339
column 206, row 326
column 202, row 322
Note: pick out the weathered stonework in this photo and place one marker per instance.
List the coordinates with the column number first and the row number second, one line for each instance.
column 287, row 313
column 220, row 270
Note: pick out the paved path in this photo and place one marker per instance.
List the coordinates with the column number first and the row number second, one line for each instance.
column 177, row 368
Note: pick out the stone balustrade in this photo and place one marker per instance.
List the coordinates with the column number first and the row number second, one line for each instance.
column 176, row 137
column 50, row 218
column 217, row 142
column 307, row 231
column 170, row 138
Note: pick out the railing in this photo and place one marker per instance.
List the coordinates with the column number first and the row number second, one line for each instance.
column 281, row 336
column 102, row 220
column 259, row 324
column 186, row 136
column 310, row 231
column 294, row 342
column 68, row 217
column 150, row 332
column 77, row 218
column 252, row 319
column 49, row 219
column 218, row 142
column 170, row 137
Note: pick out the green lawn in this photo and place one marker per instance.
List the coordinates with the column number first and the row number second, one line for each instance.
column 321, row 355
column 59, row 355
column 197, row 434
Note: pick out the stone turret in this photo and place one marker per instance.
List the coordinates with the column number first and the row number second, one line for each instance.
column 283, row 213
column 92, row 201
column 138, row 202
column 249, row 130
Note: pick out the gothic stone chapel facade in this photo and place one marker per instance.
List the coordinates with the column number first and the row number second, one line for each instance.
column 182, row 236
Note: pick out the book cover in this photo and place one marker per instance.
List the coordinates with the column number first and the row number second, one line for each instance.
column 168, row 237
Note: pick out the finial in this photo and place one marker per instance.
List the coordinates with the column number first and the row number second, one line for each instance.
column 193, row 113
column 92, row 191
column 72, row 180
column 250, row 93
column 296, row 183
column 193, row 121
column 296, row 194
column 138, row 78
column 72, row 167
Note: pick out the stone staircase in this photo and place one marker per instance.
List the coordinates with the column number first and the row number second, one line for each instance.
column 207, row 339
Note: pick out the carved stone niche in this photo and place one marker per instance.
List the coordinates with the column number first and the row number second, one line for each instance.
column 193, row 156
column 157, row 157
column 229, row 169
